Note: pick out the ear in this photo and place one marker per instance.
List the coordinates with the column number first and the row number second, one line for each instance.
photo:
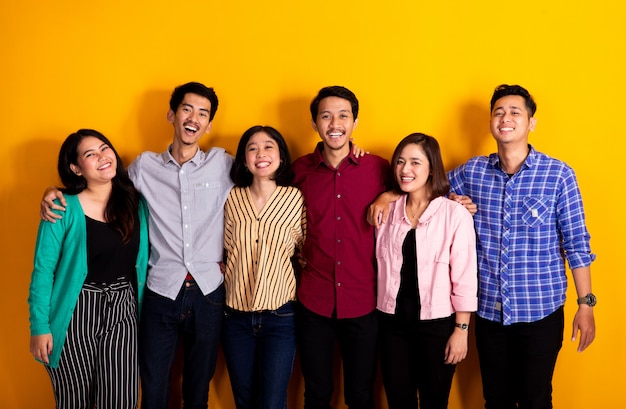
column 314, row 125
column 532, row 123
column 75, row 169
column 170, row 116
column 208, row 128
column 356, row 122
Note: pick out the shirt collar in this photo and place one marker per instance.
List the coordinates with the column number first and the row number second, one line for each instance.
column 319, row 156
column 529, row 162
column 167, row 157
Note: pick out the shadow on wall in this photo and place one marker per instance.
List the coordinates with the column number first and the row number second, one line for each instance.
column 471, row 138
column 296, row 127
column 34, row 163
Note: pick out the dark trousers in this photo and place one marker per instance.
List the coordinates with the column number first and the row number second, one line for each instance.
column 517, row 361
column 412, row 359
column 196, row 320
column 317, row 337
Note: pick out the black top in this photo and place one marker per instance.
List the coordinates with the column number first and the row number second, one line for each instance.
column 408, row 301
column 108, row 259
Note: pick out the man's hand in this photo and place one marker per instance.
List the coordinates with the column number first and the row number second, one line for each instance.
column 465, row 201
column 47, row 205
column 379, row 209
column 585, row 323
column 41, row 347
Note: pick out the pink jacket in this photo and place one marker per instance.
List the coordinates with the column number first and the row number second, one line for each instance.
column 446, row 258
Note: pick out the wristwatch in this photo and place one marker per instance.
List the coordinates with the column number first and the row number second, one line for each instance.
column 588, row 299
column 463, row 326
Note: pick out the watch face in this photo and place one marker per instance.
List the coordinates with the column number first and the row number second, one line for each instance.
column 591, row 300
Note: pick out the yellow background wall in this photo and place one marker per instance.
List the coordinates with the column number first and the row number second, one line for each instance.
column 415, row 66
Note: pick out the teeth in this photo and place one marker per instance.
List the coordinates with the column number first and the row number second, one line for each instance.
column 262, row 164
column 191, row 128
column 506, row 129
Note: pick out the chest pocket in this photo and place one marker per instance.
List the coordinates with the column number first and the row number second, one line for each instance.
column 536, row 210
column 206, row 195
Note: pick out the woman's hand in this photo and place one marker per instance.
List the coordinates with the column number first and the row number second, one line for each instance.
column 41, row 347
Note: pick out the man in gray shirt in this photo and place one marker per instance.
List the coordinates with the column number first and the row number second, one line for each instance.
column 186, row 189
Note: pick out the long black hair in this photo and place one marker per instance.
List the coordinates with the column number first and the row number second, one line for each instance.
column 122, row 207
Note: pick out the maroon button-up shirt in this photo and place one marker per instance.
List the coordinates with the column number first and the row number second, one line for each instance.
column 339, row 250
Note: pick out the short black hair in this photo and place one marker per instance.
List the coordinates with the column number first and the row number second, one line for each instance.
column 504, row 90
column 194, row 88
column 335, row 91
column 242, row 177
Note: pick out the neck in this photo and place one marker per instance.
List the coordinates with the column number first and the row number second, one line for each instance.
column 511, row 160
column 261, row 190
column 94, row 200
column 416, row 204
column 183, row 153
column 263, row 187
column 334, row 157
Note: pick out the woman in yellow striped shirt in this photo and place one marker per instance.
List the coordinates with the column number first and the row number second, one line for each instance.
column 264, row 223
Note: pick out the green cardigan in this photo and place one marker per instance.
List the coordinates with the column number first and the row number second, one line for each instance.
column 60, row 270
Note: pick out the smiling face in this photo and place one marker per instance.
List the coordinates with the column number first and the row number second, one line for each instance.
column 511, row 121
column 262, row 156
column 191, row 119
column 96, row 161
column 412, row 169
column 335, row 123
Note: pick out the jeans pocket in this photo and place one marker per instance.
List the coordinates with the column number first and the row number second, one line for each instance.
column 285, row 310
column 217, row 297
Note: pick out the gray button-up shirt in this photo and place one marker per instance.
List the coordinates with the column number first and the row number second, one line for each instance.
column 186, row 217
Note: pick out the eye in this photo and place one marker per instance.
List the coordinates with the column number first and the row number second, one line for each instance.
column 344, row 116
column 324, row 116
column 203, row 114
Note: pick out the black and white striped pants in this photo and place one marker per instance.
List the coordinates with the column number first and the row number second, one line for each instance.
column 98, row 365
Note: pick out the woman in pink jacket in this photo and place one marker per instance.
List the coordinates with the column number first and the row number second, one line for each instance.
column 427, row 281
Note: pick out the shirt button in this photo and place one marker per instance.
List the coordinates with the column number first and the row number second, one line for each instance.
column 187, row 284
column 338, row 217
column 339, row 196
column 339, row 263
column 338, row 284
column 338, row 240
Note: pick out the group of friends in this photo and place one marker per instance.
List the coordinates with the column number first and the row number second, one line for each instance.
column 266, row 256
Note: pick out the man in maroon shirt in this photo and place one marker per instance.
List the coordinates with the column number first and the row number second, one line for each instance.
column 337, row 290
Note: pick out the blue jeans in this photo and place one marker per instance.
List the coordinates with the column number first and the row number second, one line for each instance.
column 259, row 348
column 195, row 319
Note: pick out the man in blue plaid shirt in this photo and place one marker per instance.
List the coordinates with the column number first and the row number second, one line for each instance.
column 530, row 219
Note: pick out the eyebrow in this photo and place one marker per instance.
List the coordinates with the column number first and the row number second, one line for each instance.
column 329, row 112
column 99, row 147
column 512, row 107
column 191, row 106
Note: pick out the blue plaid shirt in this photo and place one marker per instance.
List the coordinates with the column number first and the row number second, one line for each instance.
column 526, row 226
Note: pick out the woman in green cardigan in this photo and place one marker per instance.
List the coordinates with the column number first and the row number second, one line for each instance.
column 88, row 279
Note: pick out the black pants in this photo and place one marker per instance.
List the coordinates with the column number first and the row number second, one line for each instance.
column 517, row 361
column 317, row 337
column 412, row 359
